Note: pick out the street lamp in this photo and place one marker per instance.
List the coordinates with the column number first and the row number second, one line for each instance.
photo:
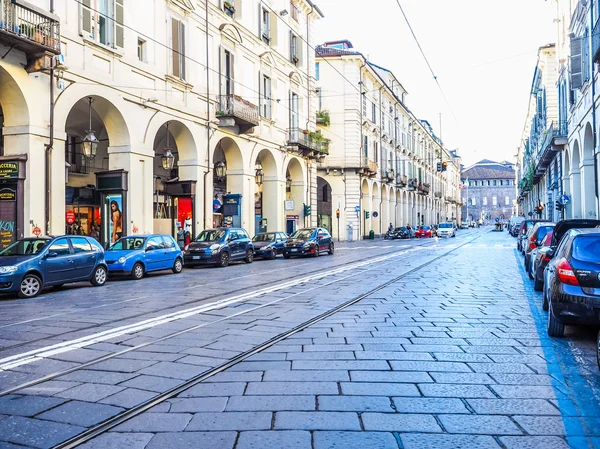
column 167, row 159
column 220, row 170
column 259, row 175
column 288, row 183
column 89, row 144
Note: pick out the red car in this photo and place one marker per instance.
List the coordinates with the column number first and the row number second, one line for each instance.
column 424, row 231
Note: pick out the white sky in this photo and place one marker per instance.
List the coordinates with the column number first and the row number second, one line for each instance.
column 483, row 53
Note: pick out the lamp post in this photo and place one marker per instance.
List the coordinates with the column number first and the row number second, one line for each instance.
column 89, row 144
column 258, row 174
column 167, row 159
column 220, row 170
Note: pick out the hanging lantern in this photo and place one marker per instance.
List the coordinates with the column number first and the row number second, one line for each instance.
column 167, row 159
column 220, row 170
column 259, row 175
column 288, row 183
column 89, row 145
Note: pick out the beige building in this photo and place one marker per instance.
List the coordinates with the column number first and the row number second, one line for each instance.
column 382, row 166
column 199, row 114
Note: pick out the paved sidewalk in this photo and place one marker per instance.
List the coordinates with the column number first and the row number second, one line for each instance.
column 452, row 356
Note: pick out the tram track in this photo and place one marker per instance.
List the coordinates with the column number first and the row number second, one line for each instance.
column 124, row 416
column 173, row 306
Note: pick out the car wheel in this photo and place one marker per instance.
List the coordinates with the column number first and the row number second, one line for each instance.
column 316, row 253
column 529, row 268
column 286, row 256
column 545, row 304
column 555, row 327
column 137, row 272
column 331, row 248
column 249, row 256
column 99, row 277
column 224, row 259
column 273, row 254
column 30, row 287
column 177, row 266
column 538, row 285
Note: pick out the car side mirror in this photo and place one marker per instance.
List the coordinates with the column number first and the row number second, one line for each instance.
column 51, row 255
column 149, row 248
column 550, row 253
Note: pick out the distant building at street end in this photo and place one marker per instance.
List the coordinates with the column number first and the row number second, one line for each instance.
column 488, row 191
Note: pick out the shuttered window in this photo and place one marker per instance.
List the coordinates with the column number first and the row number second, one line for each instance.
column 264, row 24
column 366, row 146
column 178, row 48
column 102, row 21
column 576, row 63
column 265, row 96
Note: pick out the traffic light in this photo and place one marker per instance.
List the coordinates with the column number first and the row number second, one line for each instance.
column 439, row 166
column 539, row 209
column 559, row 206
column 367, row 215
column 444, row 166
column 306, row 210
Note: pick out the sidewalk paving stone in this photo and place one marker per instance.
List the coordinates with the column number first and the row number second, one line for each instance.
column 354, row 440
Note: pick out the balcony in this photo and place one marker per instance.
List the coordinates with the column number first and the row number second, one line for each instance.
column 30, row 29
column 402, row 180
column 413, row 184
column 236, row 112
column 308, row 143
column 423, row 188
column 438, row 194
column 387, row 175
column 450, row 199
column 368, row 167
column 554, row 140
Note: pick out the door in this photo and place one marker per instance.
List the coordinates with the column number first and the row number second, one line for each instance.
column 59, row 263
column 154, row 252
column 84, row 258
column 170, row 251
column 234, row 244
column 8, row 214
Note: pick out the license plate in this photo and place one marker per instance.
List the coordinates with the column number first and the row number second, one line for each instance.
column 195, row 257
column 294, row 250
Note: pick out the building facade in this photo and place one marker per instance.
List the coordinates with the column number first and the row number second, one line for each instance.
column 198, row 113
column 489, row 191
column 382, row 166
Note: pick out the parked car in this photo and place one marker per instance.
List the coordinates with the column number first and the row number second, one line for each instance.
column 534, row 238
column 514, row 225
column 137, row 255
column 464, row 225
column 572, row 281
column 397, row 233
column 526, row 226
column 219, row 247
column 539, row 260
column 446, row 230
column 29, row 265
column 308, row 241
column 546, row 253
column 269, row 244
column 424, row 231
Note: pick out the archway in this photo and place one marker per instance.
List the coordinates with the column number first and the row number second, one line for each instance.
column 296, row 193
column 377, row 206
column 385, row 209
column 325, row 210
column 576, row 203
column 267, row 199
column 174, row 182
column 104, row 218
column 588, row 191
column 228, row 184
column 366, row 207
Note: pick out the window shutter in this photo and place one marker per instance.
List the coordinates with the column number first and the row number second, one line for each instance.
column 576, row 63
column 232, row 73
column 85, row 18
column 182, row 48
column 585, row 57
column 175, row 47
column 268, row 100
column 261, row 93
column 119, row 17
column 221, row 101
column 260, row 10
column 292, row 47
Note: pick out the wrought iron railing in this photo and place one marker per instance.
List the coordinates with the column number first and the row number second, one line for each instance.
column 556, row 129
column 402, row 180
column 21, row 19
column 413, row 183
column 369, row 165
column 438, row 194
column 235, row 106
column 310, row 140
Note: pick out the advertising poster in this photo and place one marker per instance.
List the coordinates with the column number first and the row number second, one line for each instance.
column 115, row 225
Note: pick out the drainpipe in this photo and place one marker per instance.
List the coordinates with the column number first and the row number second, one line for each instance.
column 48, row 151
column 309, row 93
column 362, row 224
column 207, row 217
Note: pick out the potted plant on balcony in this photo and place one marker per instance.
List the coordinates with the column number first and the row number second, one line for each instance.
column 229, row 6
column 219, row 113
column 323, row 118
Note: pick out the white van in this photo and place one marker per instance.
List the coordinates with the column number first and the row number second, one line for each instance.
column 446, row 230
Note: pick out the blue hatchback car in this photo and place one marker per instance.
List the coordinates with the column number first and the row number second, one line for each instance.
column 29, row 265
column 137, row 255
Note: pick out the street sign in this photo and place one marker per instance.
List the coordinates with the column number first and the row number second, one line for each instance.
column 564, row 199
column 289, row 205
column 375, row 214
column 357, row 209
column 70, row 217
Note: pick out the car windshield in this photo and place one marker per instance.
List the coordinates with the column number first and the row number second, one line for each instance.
column 424, row 228
column 445, row 225
column 210, row 235
column 25, row 247
column 401, row 229
column 302, row 234
column 547, row 239
column 587, row 248
column 269, row 237
column 128, row 244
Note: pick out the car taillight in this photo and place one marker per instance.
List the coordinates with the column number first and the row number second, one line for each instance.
column 546, row 258
column 566, row 273
column 532, row 244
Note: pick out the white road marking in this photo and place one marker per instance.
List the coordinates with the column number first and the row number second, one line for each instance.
column 66, row 346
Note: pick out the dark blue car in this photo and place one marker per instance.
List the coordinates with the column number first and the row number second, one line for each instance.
column 219, row 247
column 137, row 255
column 269, row 244
column 29, row 265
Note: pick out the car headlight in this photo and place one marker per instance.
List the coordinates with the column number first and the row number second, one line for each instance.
column 8, row 269
column 268, row 248
column 122, row 259
column 186, row 247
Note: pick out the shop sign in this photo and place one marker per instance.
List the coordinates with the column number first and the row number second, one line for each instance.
column 216, row 205
column 8, row 194
column 289, row 205
column 70, row 217
column 292, row 217
column 9, row 170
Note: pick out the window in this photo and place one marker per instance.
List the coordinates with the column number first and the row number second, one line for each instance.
column 495, row 200
column 265, row 97
column 494, row 183
column 317, row 71
column 178, row 48
column 102, row 21
column 364, row 104
column 294, row 49
column 376, row 151
column 507, row 201
column 325, row 194
column 141, row 50
column 226, row 87
column 60, row 247
column 154, row 243
column 80, row 245
column 373, row 112
column 474, row 201
column 168, row 242
column 294, row 12
column 229, row 8
column 366, row 145
column 265, row 28
column 484, row 201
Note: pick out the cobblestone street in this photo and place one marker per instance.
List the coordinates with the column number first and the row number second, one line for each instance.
column 451, row 354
